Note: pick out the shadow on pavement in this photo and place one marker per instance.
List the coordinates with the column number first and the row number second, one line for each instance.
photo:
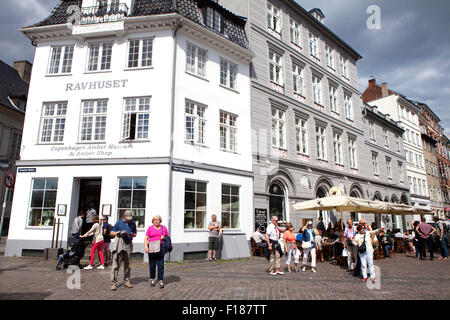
column 25, row 295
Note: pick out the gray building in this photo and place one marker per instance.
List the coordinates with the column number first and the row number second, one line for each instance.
column 308, row 119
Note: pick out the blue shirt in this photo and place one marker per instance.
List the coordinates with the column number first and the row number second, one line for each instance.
column 309, row 236
column 106, row 226
column 129, row 228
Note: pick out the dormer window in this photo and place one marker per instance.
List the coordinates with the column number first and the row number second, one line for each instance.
column 213, row 19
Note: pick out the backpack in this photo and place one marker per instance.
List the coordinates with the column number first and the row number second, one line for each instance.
column 107, row 235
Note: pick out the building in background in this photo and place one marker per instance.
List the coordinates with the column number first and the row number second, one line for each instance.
column 443, row 148
column 143, row 105
column 13, row 100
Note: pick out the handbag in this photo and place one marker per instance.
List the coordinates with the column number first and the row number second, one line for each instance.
column 306, row 244
column 155, row 246
column 362, row 248
column 345, row 252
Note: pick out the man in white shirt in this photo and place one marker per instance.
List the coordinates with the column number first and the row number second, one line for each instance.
column 272, row 237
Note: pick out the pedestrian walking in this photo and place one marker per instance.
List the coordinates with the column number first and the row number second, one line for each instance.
column 309, row 246
column 152, row 242
column 442, row 237
column 96, row 231
column 365, row 251
column 272, row 238
column 426, row 232
column 352, row 251
column 290, row 247
column 107, row 240
column 77, row 225
column 214, row 237
column 124, row 231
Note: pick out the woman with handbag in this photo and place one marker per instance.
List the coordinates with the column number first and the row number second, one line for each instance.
column 363, row 242
column 152, row 242
column 309, row 245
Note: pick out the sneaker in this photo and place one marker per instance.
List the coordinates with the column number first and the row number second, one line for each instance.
column 304, row 269
column 102, row 267
column 161, row 284
column 113, row 287
column 89, row 267
column 128, row 285
column 273, row 273
column 374, row 280
column 364, row 279
column 279, row 271
column 313, row 270
column 152, row 282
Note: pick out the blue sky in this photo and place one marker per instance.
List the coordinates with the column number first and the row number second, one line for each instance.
column 411, row 51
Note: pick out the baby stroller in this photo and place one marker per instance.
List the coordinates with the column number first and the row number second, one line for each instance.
column 73, row 255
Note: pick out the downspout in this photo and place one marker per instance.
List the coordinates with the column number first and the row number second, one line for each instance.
column 172, row 119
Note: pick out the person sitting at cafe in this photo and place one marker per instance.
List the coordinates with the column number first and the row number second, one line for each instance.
column 260, row 241
column 386, row 242
column 338, row 246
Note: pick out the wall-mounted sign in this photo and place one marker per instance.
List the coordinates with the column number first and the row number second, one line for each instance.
column 106, row 210
column 10, row 180
column 182, row 169
column 27, row 170
column 96, row 85
column 62, row 208
column 5, row 164
column 261, row 219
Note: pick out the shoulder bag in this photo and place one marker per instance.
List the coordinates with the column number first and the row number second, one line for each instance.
column 154, row 246
column 306, row 244
column 362, row 248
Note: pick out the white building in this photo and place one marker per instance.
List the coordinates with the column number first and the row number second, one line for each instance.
column 143, row 105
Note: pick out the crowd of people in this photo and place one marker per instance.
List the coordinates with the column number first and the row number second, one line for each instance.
column 355, row 244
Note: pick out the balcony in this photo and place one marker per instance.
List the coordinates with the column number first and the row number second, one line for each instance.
column 103, row 13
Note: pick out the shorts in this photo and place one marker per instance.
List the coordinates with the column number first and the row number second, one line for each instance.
column 213, row 243
column 106, row 246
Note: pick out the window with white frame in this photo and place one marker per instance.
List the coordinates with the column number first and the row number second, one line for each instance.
column 321, row 144
column 415, row 186
column 389, row 167
column 386, row 137
column 337, row 147
column 333, row 99
column 276, row 67
column 132, row 195
column 397, row 143
column 194, row 204
column 140, row 53
column 330, row 56
column 317, row 89
column 299, row 83
column 195, row 122
column 301, row 134
column 43, row 202
column 61, row 59
column 375, row 163
column 230, row 206
column 100, row 56
column 372, row 131
column 228, row 73
column 314, row 45
column 410, row 183
column 213, row 19
column 53, row 122
column 344, row 67
column 273, row 18
column 352, row 153
column 196, row 60
column 93, row 120
column 295, row 32
column 400, row 170
column 228, row 131
column 136, row 118
column 278, row 128
column 348, row 106
column 420, row 163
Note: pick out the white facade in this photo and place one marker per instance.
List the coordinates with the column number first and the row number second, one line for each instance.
column 150, row 154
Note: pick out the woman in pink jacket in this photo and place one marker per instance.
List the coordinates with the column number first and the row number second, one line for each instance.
column 152, row 242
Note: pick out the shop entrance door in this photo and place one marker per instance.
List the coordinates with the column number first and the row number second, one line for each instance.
column 90, row 190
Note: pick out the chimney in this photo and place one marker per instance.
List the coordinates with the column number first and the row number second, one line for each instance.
column 24, row 69
column 384, row 90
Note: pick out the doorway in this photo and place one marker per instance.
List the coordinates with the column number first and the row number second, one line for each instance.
column 89, row 197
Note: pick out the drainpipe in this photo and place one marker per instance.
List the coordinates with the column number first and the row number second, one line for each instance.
column 172, row 120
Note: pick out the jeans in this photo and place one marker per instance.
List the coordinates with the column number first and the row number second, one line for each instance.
column 429, row 243
column 443, row 247
column 153, row 260
column 367, row 261
column 76, row 235
column 313, row 256
column 416, row 245
column 386, row 250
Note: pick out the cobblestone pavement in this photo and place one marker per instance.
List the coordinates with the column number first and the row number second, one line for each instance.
column 402, row 277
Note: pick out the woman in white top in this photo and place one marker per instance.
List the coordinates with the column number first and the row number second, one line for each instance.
column 96, row 230
column 367, row 256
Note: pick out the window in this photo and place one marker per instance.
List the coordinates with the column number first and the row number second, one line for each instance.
column 400, row 170
column 278, row 128
column 53, row 122
column 301, row 135
column 337, row 144
column 194, row 204
column 348, row 107
column 273, row 18
column 15, row 146
column 389, row 167
column 276, row 67
column 397, row 143
column 415, row 186
column 93, row 120
column 330, row 56
column 100, row 56
column 227, row 131
column 195, row 122
column 298, row 80
column 136, row 118
column 317, row 89
column 196, row 60
column 420, row 163
column 140, row 53
column 352, row 153
column 43, row 202
column 132, row 196
column 386, row 137
column 344, row 67
column 372, row 131
column 295, row 32
column 314, row 45
column 410, row 184
column 228, row 73
column 375, row 163
column 230, row 206
column 61, row 59
column 213, row 19
column 333, row 99
column 321, row 143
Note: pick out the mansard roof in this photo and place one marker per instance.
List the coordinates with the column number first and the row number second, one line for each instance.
column 11, row 86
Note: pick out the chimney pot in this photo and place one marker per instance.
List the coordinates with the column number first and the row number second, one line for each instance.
column 384, row 90
column 24, row 69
